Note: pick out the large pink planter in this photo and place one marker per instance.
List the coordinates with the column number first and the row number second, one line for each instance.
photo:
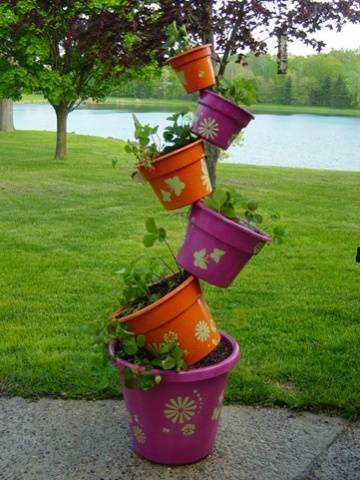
column 176, row 422
column 218, row 120
column 216, row 248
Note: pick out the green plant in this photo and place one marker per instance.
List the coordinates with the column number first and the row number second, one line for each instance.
column 177, row 39
column 157, row 234
column 235, row 206
column 239, row 90
column 131, row 347
column 178, row 133
column 144, row 283
column 148, row 145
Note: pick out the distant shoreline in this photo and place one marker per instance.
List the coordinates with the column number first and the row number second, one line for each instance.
column 178, row 104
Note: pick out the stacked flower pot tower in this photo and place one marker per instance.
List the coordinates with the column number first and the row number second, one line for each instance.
column 176, row 421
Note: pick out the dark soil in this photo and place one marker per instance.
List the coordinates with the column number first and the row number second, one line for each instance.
column 166, row 285
column 246, row 224
column 160, row 289
column 221, row 352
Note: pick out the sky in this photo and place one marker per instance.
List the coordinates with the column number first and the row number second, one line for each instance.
column 348, row 38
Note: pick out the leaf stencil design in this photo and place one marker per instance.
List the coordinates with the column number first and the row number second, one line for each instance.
column 166, row 196
column 175, row 184
column 200, row 259
column 216, row 254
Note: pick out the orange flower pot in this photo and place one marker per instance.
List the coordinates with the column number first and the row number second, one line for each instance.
column 180, row 177
column 194, row 68
column 181, row 316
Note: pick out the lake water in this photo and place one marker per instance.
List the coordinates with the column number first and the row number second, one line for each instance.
column 314, row 141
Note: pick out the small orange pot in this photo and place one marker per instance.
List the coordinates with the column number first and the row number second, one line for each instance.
column 181, row 177
column 181, row 316
column 194, row 68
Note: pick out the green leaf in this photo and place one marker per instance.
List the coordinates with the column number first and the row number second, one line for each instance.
column 141, row 340
column 257, row 218
column 149, row 239
column 161, row 234
column 151, row 226
column 229, row 212
column 252, row 205
column 168, row 363
column 129, row 377
column 129, row 345
column 146, row 381
column 280, row 231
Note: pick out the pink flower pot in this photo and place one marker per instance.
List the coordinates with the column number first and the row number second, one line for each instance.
column 218, row 120
column 176, row 422
column 216, row 248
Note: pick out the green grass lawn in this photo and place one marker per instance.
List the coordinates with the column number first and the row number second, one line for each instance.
column 66, row 227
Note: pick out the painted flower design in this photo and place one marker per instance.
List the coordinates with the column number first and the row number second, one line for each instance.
column 188, row 429
column 170, row 336
column 201, row 73
column 212, row 327
column 202, row 331
column 139, row 434
column 205, row 178
column 208, row 128
column 180, row 409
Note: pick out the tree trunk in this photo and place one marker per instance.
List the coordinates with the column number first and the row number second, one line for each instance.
column 212, row 152
column 282, row 55
column 212, row 157
column 6, row 116
column 62, row 112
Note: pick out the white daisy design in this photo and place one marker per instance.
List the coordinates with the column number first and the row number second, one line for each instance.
column 139, row 434
column 188, row 429
column 180, row 409
column 170, row 336
column 208, row 128
column 205, row 178
column 202, row 331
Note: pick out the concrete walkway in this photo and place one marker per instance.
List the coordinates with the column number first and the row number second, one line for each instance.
column 65, row 439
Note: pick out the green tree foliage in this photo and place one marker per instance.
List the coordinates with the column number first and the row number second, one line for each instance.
column 331, row 80
column 74, row 50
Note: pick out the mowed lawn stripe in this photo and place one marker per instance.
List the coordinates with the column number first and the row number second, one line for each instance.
column 66, row 228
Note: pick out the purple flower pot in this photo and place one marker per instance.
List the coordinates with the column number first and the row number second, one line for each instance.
column 218, row 120
column 216, row 248
column 176, row 422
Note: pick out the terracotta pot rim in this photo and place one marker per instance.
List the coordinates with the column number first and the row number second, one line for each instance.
column 225, row 100
column 192, row 375
column 173, row 152
column 187, row 52
column 259, row 236
column 160, row 301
